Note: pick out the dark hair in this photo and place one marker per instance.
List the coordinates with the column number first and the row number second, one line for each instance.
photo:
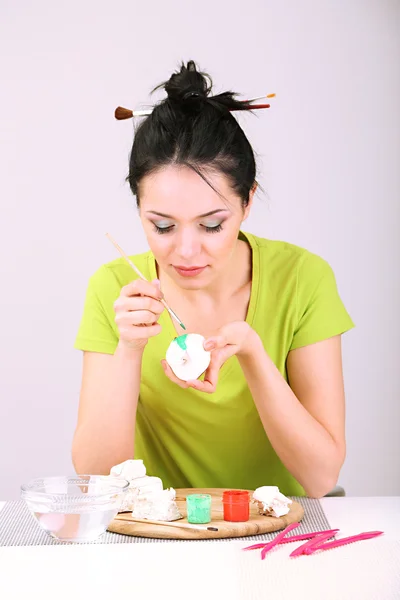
column 194, row 129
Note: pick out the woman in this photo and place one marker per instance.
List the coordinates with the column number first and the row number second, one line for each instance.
column 270, row 410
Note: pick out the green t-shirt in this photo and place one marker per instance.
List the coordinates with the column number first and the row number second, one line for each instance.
column 193, row 439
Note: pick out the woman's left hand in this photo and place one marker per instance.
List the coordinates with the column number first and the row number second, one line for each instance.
column 235, row 338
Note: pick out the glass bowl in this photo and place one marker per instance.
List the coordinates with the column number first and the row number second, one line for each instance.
column 78, row 508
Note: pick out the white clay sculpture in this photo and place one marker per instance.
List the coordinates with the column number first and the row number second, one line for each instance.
column 186, row 356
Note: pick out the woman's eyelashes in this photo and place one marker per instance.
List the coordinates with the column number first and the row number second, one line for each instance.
column 213, row 228
column 164, row 229
column 167, row 228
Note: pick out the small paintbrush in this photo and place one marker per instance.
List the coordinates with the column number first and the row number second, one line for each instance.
column 261, row 97
column 168, row 523
column 126, row 257
column 126, row 113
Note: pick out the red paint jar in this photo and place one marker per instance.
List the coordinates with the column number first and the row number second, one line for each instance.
column 236, row 505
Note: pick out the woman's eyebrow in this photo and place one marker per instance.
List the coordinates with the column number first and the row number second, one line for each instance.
column 208, row 214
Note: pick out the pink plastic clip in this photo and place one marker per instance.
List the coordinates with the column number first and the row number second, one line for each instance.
column 307, row 536
column 277, row 539
column 318, row 539
column 254, row 547
column 293, row 538
column 317, row 542
column 344, row 541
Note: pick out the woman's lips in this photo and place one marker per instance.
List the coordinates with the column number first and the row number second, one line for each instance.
column 189, row 271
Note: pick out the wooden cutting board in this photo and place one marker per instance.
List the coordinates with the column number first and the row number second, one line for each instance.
column 257, row 524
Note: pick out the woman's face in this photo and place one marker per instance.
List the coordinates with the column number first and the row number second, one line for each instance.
column 191, row 230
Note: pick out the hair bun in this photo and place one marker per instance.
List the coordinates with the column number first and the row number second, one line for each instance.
column 188, row 86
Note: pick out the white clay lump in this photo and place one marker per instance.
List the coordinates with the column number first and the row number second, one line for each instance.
column 157, row 506
column 271, row 502
column 186, row 356
column 146, row 485
column 145, row 497
column 129, row 469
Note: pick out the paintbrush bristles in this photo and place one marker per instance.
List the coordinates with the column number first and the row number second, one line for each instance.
column 123, row 113
column 261, row 97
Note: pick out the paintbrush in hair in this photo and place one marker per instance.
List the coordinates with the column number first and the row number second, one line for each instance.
column 125, row 113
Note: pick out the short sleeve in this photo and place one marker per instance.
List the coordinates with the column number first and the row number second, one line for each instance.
column 320, row 312
column 97, row 331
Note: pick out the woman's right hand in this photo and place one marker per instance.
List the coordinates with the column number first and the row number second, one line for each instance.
column 137, row 311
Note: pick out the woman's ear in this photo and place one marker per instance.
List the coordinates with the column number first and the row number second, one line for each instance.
column 253, row 190
column 247, row 209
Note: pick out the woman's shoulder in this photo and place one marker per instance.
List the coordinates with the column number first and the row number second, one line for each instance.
column 285, row 255
column 299, row 287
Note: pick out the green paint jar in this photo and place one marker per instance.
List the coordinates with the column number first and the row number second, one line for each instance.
column 198, row 508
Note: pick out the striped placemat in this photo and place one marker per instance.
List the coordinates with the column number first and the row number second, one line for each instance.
column 19, row 528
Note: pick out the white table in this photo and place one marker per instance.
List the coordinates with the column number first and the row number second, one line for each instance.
column 354, row 515
column 369, row 570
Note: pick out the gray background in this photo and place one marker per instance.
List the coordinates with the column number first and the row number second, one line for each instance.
column 329, row 156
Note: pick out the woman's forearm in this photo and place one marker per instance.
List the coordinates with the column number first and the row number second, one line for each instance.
column 304, row 446
column 105, row 434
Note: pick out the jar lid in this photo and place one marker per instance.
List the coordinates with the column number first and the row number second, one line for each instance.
column 236, row 496
column 199, row 500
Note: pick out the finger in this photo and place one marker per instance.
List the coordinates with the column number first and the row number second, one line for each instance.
column 157, row 283
column 132, row 303
column 209, row 383
column 139, row 332
column 136, row 317
column 144, row 288
column 212, row 343
column 171, row 375
column 201, row 386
